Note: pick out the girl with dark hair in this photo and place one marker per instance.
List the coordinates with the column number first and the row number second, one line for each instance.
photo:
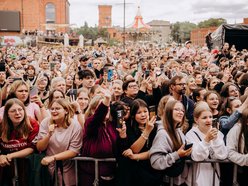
column 17, row 132
column 140, row 134
column 168, row 145
column 237, row 145
column 43, row 83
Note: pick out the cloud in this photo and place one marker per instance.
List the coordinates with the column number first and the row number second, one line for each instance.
column 183, row 10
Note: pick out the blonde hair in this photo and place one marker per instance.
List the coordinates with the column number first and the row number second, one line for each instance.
column 93, row 105
column 200, row 107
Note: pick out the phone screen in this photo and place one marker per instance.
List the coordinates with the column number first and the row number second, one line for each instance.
column 34, row 91
column 152, row 111
column 52, row 65
column 187, row 146
column 110, row 74
column 2, row 66
column 120, row 118
column 73, row 93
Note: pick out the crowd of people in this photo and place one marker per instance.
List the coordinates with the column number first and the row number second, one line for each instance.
column 149, row 108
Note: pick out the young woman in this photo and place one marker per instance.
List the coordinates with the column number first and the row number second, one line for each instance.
column 237, row 146
column 231, row 113
column 61, row 137
column 34, row 107
column 43, row 84
column 207, row 143
column 99, row 141
column 136, row 168
column 17, row 132
column 116, row 90
column 168, row 145
column 213, row 100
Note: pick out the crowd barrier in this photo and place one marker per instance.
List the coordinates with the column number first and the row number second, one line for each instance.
column 97, row 160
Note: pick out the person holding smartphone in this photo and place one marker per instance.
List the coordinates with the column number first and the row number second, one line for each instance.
column 207, row 143
column 168, row 148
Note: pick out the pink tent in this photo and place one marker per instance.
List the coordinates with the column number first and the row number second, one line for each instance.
column 138, row 22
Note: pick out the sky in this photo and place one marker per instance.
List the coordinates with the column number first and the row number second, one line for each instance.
column 177, row 10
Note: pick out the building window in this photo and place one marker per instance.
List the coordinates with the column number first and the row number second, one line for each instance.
column 50, row 13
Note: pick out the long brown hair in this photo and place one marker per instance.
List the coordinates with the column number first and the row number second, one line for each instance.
column 23, row 129
column 169, row 126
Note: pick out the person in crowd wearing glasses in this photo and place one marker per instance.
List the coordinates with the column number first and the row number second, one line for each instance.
column 168, row 145
column 61, row 137
column 208, row 143
column 178, row 89
column 17, row 133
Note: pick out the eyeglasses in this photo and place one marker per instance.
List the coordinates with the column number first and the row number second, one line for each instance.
column 132, row 86
column 179, row 110
column 181, row 84
column 16, row 110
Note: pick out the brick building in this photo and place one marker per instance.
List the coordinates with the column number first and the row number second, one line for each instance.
column 38, row 14
column 105, row 16
column 198, row 36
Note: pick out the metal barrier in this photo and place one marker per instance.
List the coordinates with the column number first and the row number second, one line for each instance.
column 97, row 160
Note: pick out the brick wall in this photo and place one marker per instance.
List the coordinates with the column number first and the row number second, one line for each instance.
column 198, row 36
column 32, row 13
column 105, row 16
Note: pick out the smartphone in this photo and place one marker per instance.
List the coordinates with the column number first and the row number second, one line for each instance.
column 16, row 79
column 2, row 66
column 120, row 118
column 110, row 74
column 187, row 146
column 52, row 66
column 25, row 77
column 215, row 123
column 152, row 111
column 34, row 91
column 147, row 73
column 73, row 93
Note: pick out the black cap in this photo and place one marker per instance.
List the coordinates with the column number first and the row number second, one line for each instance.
column 84, row 58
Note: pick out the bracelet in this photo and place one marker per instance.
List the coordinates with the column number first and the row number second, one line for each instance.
column 143, row 136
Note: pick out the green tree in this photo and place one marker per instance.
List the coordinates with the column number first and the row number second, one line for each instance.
column 92, row 32
column 212, row 22
column 180, row 31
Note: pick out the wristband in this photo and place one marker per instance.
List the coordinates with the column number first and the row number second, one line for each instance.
column 143, row 136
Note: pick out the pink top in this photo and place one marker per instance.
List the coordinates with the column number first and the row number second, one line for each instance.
column 62, row 140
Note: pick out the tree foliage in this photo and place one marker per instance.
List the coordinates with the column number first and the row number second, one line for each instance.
column 91, row 32
column 212, row 22
column 180, row 31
